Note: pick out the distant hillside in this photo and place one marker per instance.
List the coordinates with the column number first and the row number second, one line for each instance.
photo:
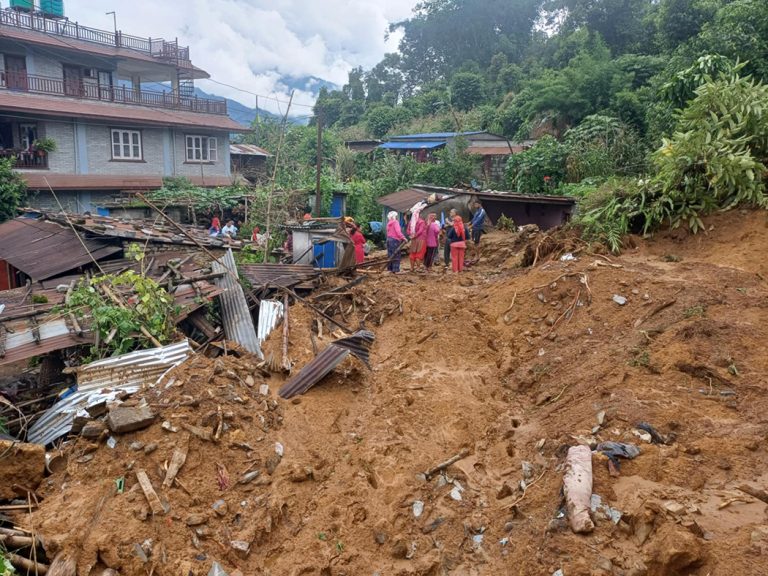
column 240, row 113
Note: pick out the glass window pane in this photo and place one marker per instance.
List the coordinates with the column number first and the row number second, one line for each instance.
column 135, row 138
column 126, row 151
column 116, row 150
column 115, row 136
column 136, row 152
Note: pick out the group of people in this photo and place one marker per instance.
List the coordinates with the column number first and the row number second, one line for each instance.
column 230, row 231
column 424, row 237
column 227, row 231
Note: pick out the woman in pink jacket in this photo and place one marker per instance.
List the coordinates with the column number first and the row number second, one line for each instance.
column 395, row 239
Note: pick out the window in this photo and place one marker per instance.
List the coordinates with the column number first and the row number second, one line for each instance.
column 126, row 145
column 27, row 135
column 201, row 149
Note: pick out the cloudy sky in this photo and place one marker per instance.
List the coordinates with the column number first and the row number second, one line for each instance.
column 260, row 45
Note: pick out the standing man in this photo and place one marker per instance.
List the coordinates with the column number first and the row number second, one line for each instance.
column 447, row 228
column 478, row 220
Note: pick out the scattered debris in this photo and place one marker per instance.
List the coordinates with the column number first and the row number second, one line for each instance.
column 616, row 450
column 577, row 487
column 358, row 345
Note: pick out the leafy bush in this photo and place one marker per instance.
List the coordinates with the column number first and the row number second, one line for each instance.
column 715, row 158
column 149, row 306
column 602, row 146
column 12, row 189
column 538, row 170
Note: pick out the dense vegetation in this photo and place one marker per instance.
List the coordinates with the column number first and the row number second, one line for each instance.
column 12, row 189
column 652, row 111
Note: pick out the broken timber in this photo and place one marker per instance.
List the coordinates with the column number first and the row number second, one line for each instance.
column 149, row 492
column 177, row 461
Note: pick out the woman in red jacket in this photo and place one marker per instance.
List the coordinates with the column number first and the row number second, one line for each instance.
column 359, row 241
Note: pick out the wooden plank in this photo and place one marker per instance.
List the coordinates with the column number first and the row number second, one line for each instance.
column 149, row 492
column 177, row 461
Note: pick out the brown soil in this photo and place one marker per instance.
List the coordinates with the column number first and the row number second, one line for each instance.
column 511, row 364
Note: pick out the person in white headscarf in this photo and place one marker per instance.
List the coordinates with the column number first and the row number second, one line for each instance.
column 417, row 233
column 395, row 241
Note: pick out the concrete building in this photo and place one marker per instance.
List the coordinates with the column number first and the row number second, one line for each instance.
column 76, row 119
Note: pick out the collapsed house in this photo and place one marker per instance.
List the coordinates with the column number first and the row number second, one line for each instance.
column 545, row 211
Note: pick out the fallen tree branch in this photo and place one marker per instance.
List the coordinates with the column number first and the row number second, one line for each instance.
column 443, row 465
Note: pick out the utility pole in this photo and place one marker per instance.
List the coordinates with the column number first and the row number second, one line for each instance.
column 114, row 19
column 319, row 166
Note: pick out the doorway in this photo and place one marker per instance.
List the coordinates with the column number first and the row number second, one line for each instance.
column 16, row 73
column 73, row 80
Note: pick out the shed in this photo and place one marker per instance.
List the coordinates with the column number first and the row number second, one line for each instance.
column 314, row 244
column 403, row 200
column 248, row 160
column 42, row 249
column 544, row 211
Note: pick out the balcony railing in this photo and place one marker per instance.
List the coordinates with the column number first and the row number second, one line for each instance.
column 26, row 159
column 162, row 49
column 82, row 89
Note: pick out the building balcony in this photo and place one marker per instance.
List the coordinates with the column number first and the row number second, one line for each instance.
column 83, row 90
column 167, row 51
column 26, row 159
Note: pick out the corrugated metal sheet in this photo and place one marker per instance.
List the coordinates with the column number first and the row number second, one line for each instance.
column 270, row 314
column 414, row 145
column 404, row 200
column 102, row 381
column 235, row 314
column 285, row 275
column 359, row 344
column 20, row 342
column 435, row 135
column 248, row 150
column 43, row 249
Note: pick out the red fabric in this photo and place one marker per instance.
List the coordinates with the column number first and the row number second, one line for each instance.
column 458, row 225
column 215, row 223
column 458, row 250
column 418, row 249
column 359, row 241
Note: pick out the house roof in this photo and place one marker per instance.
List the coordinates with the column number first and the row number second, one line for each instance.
column 155, row 231
column 419, row 145
column 41, row 180
column 43, row 249
column 97, row 49
column 119, row 113
column 248, row 150
column 435, row 135
column 404, row 200
column 504, row 196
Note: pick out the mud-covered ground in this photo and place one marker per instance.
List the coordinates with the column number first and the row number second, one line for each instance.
column 510, row 365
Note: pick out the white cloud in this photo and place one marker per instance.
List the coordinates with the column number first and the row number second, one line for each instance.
column 257, row 45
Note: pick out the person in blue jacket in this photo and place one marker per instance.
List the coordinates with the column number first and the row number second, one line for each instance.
column 477, row 223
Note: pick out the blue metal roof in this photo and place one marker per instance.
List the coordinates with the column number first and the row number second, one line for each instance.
column 411, row 145
column 435, row 135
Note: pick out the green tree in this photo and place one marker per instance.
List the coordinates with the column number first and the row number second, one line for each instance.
column 739, row 31
column 442, row 34
column 467, row 90
column 538, row 170
column 12, row 190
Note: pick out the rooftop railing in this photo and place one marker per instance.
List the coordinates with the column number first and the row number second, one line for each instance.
column 168, row 51
column 82, row 89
